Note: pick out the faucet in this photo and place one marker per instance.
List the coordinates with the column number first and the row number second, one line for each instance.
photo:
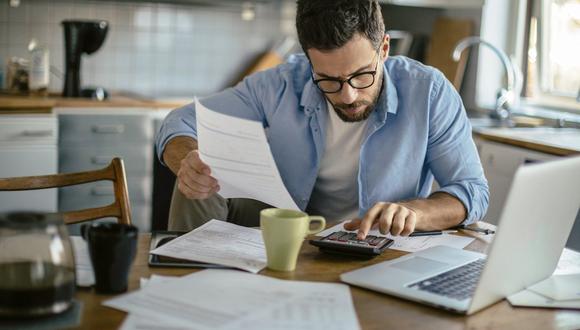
column 507, row 98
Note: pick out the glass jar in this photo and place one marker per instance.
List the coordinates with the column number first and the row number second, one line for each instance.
column 37, row 271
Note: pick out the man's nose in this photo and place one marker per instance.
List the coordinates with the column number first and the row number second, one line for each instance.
column 348, row 94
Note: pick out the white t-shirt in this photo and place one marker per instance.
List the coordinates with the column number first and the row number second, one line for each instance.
column 335, row 193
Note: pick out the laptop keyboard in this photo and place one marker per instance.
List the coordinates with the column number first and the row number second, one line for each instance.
column 458, row 283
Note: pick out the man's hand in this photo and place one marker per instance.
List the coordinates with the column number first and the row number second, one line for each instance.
column 194, row 178
column 438, row 211
column 394, row 218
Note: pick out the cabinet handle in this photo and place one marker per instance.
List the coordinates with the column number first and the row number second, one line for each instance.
column 108, row 129
column 101, row 160
column 101, row 191
column 37, row 133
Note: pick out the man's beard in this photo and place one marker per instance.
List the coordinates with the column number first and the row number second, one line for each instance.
column 370, row 107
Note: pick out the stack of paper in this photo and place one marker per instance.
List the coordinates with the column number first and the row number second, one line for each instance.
column 219, row 242
column 229, row 299
column 411, row 244
column 83, row 266
column 561, row 290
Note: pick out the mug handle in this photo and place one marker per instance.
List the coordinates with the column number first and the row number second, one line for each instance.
column 321, row 224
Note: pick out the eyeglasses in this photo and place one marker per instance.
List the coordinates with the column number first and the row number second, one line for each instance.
column 359, row 80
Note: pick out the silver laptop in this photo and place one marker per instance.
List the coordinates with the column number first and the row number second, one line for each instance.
column 535, row 222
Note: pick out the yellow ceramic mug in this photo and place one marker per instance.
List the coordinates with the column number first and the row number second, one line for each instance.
column 283, row 232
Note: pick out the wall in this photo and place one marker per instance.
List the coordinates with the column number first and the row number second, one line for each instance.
column 151, row 49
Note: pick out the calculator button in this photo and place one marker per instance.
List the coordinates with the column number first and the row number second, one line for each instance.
column 378, row 240
column 344, row 237
column 369, row 238
column 336, row 235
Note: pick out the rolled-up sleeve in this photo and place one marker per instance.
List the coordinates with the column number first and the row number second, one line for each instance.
column 179, row 122
column 243, row 101
column 452, row 156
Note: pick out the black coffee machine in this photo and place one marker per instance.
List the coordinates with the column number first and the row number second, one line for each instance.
column 81, row 37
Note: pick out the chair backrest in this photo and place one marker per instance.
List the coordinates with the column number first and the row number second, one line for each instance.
column 114, row 172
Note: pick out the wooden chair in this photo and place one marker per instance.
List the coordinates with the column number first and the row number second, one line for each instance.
column 115, row 172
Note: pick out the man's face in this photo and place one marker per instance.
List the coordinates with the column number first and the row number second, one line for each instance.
column 356, row 56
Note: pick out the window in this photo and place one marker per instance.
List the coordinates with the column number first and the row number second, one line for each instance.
column 553, row 57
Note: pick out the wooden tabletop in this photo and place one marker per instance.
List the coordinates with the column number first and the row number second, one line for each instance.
column 374, row 310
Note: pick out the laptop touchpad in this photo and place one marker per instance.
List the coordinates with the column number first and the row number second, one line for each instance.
column 420, row 265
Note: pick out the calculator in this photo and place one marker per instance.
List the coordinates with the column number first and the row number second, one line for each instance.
column 346, row 243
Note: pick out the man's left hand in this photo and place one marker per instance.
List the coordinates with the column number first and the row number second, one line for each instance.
column 394, row 218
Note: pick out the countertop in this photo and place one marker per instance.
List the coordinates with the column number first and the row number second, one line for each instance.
column 44, row 104
column 554, row 141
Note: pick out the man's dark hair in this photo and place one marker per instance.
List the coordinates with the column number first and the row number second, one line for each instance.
column 330, row 24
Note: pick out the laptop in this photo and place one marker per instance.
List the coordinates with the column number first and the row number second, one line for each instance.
column 535, row 222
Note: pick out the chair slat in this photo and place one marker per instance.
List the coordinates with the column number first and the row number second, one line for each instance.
column 115, row 172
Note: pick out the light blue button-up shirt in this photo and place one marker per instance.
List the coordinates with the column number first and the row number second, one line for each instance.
column 418, row 131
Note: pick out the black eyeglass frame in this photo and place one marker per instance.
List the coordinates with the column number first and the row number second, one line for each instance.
column 342, row 81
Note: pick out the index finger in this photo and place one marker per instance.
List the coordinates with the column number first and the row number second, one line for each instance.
column 367, row 221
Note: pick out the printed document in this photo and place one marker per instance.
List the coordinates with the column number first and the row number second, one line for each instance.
column 411, row 244
column 83, row 266
column 229, row 299
column 219, row 242
column 240, row 158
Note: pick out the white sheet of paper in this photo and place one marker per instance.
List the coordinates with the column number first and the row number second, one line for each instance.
column 559, row 287
column 569, row 263
column 228, row 299
column 527, row 298
column 240, row 158
column 411, row 244
column 84, row 268
column 219, row 242
column 319, row 306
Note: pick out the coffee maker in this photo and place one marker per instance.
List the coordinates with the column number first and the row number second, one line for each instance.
column 81, row 37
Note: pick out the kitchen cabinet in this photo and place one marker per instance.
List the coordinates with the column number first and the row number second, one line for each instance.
column 500, row 162
column 28, row 146
column 89, row 139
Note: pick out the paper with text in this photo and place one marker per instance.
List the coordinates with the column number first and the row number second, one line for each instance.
column 219, row 242
column 411, row 244
column 240, row 158
column 83, row 265
column 228, row 299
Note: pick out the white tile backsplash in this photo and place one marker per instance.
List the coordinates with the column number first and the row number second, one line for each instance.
column 18, row 14
column 38, row 12
column 153, row 49
column 3, row 11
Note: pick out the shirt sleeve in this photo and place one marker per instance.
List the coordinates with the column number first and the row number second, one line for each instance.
column 451, row 152
column 243, row 101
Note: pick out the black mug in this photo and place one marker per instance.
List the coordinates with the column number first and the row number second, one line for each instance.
column 112, row 248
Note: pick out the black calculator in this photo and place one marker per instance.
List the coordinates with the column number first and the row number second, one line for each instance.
column 346, row 243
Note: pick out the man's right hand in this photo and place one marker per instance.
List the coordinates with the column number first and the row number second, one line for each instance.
column 194, row 178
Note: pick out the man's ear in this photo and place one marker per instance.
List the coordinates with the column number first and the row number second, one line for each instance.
column 385, row 47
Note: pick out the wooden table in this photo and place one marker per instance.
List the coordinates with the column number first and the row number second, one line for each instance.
column 374, row 310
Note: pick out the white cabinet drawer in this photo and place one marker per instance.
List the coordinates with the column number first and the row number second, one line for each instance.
column 16, row 161
column 101, row 194
column 112, row 130
column 28, row 129
column 506, row 159
column 137, row 159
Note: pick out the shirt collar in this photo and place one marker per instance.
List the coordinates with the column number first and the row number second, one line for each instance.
column 312, row 98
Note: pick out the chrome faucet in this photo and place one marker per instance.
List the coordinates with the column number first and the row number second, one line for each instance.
column 507, row 99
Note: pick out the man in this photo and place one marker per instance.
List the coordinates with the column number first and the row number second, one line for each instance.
column 355, row 134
